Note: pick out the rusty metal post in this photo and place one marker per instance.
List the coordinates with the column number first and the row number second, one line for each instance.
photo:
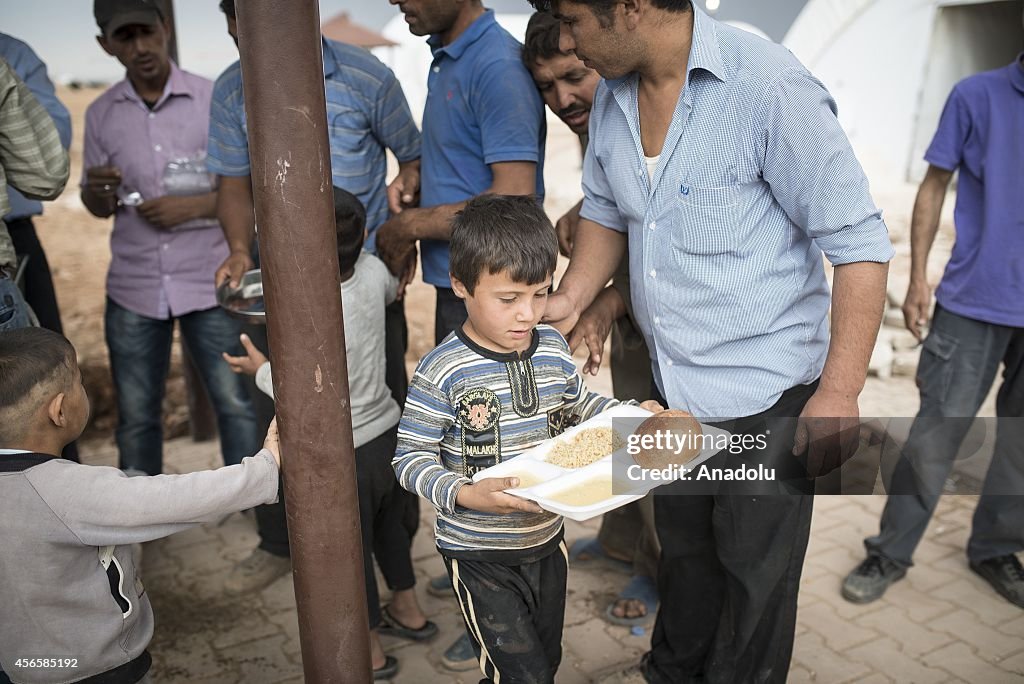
column 283, row 82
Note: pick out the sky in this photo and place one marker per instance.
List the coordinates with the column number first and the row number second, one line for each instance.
column 63, row 32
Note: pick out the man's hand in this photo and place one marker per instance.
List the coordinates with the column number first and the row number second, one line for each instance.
column 170, row 210
column 99, row 193
column 594, row 326
column 272, row 443
column 917, row 306
column 561, row 313
column 233, row 268
column 488, row 496
column 396, row 243
column 248, row 364
column 828, row 432
column 404, row 190
column 565, row 229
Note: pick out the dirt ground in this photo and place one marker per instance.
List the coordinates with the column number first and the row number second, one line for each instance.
column 77, row 245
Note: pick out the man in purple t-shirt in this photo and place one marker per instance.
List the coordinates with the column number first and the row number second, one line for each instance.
column 977, row 325
column 166, row 240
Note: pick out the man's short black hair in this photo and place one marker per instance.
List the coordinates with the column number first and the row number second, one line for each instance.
column 228, row 8
column 350, row 227
column 603, row 8
column 541, row 41
column 30, row 358
column 502, row 233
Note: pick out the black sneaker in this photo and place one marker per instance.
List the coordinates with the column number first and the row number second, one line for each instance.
column 870, row 579
column 1006, row 576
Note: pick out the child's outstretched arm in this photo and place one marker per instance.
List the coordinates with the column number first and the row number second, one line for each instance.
column 104, row 507
column 253, row 363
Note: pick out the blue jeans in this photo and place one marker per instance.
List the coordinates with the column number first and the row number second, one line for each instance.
column 959, row 362
column 14, row 312
column 140, row 351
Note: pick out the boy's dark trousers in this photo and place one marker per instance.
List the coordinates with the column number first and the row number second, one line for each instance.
column 513, row 614
column 381, row 520
column 731, row 562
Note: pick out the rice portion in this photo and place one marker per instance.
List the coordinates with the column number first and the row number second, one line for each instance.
column 586, row 447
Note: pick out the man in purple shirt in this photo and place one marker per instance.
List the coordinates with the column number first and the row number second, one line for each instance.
column 978, row 324
column 165, row 243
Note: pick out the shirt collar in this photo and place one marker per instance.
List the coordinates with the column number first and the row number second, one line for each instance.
column 472, row 34
column 176, row 85
column 330, row 59
column 1017, row 73
column 705, row 50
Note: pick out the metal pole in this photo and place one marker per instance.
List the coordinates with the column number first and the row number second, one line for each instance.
column 283, row 81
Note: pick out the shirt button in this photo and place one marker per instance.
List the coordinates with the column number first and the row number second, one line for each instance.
column 152, row 115
column 167, row 277
column 669, row 362
column 654, row 273
column 437, row 70
column 166, row 245
column 157, row 148
column 652, row 225
column 657, row 320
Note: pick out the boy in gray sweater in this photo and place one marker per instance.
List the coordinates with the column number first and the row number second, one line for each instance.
column 74, row 608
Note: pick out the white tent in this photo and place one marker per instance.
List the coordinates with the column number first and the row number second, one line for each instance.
column 890, row 64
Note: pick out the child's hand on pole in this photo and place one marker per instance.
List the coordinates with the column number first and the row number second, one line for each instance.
column 248, row 364
column 271, row 443
column 488, row 496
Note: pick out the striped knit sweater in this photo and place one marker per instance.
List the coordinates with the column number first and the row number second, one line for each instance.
column 469, row 408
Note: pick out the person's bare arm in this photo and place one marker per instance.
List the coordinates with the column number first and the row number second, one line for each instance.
column 923, row 227
column 596, row 252
column 828, row 424
column 238, row 221
column 397, row 237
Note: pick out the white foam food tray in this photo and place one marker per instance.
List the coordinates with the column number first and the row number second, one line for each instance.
column 547, row 484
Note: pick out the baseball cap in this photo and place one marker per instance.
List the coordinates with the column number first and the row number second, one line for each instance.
column 113, row 14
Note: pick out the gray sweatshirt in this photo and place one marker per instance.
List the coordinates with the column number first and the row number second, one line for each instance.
column 364, row 297
column 68, row 587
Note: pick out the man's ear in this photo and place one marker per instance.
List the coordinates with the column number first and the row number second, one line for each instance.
column 458, row 287
column 55, row 411
column 631, row 10
column 102, row 40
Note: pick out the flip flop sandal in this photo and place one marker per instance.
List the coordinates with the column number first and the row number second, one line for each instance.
column 587, row 552
column 640, row 588
column 388, row 670
column 389, row 626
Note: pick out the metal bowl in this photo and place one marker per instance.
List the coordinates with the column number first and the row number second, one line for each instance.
column 246, row 300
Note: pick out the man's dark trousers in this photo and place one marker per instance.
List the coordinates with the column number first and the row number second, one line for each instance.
column 731, row 562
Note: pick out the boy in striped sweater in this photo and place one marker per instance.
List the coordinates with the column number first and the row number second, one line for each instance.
column 491, row 390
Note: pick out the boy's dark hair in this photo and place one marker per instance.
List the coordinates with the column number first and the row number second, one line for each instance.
column 228, row 8
column 29, row 358
column 350, row 227
column 541, row 41
column 502, row 233
column 603, row 8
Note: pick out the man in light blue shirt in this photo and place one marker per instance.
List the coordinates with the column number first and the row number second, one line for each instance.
column 720, row 158
column 38, row 283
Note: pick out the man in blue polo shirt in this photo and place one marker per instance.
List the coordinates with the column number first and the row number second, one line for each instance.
column 977, row 325
column 367, row 113
column 483, row 132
